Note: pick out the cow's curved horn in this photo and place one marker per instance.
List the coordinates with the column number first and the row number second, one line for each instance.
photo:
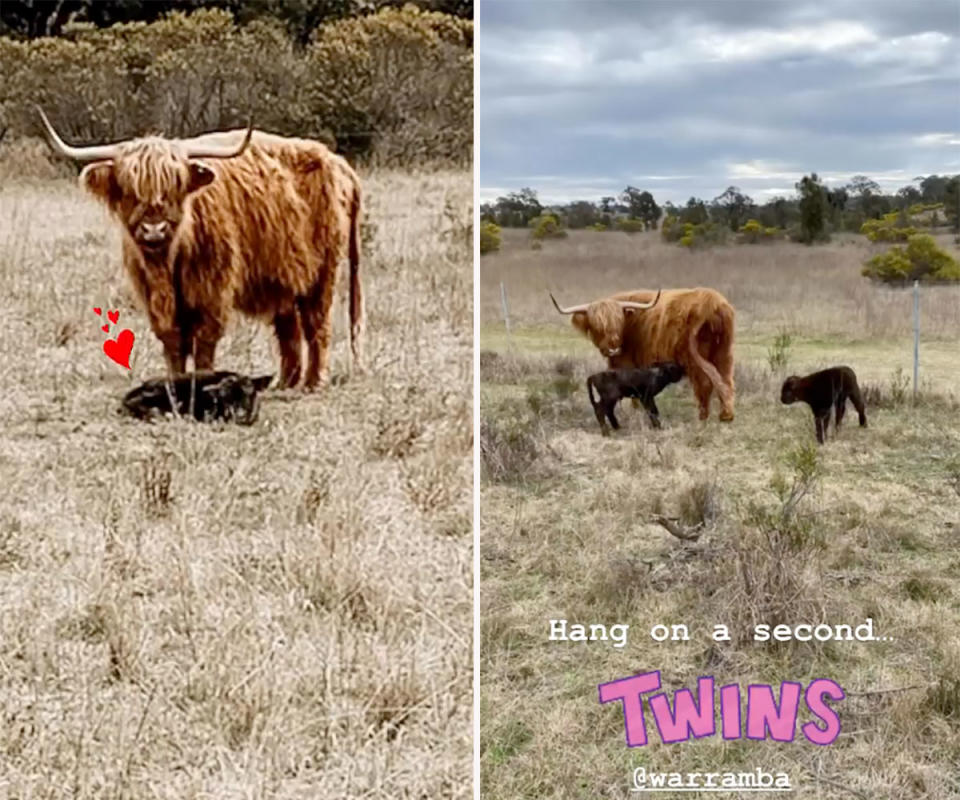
column 213, row 151
column 640, row 306
column 570, row 309
column 102, row 152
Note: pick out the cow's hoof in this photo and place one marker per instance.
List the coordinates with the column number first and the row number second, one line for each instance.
column 316, row 386
column 726, row 416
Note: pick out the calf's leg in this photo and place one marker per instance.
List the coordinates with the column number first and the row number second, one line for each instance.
column 841, row 408
column 610, row 405
column 821, row 421
column 857, row 399
column 652, row 411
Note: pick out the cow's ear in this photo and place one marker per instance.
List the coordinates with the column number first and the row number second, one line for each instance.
column 200, row 175
column 579, row 321
column 100, row 180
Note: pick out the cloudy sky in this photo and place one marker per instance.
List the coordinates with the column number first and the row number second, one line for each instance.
column 686, row 97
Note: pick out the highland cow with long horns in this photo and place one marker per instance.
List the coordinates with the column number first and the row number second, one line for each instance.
column 233, row 220
column 693, row 327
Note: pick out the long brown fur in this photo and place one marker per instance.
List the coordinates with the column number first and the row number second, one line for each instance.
column 694, row 327
column 263, row 234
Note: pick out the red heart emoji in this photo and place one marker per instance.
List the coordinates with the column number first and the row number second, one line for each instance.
column 105, row 328
column 119, row 349
column 113, row 316
column 96, row 310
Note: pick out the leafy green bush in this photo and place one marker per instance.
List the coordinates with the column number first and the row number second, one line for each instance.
column 703, row 235
column 599, row 227
column 671, row 229
column 754, row 232
column 892, row 227
column 489, row 237
column 631, row 225
column 546, row 226
column 921, row 260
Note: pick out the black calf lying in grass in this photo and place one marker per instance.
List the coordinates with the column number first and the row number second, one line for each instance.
column 613, row 385
column 822, row 391
column 211, row 396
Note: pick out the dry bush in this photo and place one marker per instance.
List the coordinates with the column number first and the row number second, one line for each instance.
column 510, row 446
column 395, row 86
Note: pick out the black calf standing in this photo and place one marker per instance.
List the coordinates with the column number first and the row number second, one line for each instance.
column 208, row 396
column 822, row 391
column 613, row 385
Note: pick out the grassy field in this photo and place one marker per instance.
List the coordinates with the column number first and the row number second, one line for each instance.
column 867, row 526
column 282, row 611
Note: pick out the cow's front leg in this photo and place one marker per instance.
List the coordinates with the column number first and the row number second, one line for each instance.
column 206, row 334
column 164, row 325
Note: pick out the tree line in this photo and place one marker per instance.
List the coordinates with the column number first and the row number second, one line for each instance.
column 809, row 215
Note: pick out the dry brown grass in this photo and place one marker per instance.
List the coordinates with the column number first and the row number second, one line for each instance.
column 864, row 527
column 813, row 292
column 279, row 611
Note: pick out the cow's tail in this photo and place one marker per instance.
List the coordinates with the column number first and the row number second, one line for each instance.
column 723, row 353
column 356, row 289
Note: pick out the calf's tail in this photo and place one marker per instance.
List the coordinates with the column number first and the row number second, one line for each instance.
column 590, row 391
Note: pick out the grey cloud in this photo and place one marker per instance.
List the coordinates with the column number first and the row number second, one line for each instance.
column 632, row 98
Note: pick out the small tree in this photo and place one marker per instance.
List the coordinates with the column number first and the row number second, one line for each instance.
column 813, row 206
column 546, row 226
column 951, row 203
column 695, row 211
column 641, row 205
column 581, row 214
column 489, row 238
column 734, row 206
column 921, row 260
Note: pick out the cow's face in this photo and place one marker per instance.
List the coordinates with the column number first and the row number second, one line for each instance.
column 148, row 183
column 148, row 186
column 788, row 393
column 604, row 322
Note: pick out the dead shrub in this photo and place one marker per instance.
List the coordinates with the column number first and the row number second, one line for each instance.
column 509, row 447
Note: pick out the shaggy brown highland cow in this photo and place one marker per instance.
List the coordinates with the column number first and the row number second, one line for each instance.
column 233, row 220
column 693, row 327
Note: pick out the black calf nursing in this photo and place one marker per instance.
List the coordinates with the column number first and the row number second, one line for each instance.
column 642, row 384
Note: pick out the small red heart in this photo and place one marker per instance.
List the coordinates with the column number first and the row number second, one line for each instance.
column 119, row 349
column 97, row 311
column 105, row 328
column 113, row 316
